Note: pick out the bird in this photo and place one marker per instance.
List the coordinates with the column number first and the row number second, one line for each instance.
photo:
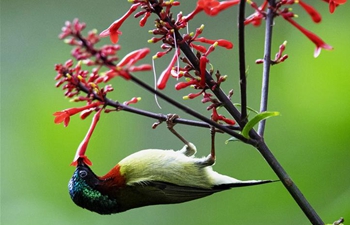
column 151, row 177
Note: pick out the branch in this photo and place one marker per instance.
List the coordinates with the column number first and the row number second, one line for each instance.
column 242, row 68
column 158, row 116
column 267, row 63
column 290, row 185
column 262, row 147
column 259, row 142
column 186, row 109
column 192, row 112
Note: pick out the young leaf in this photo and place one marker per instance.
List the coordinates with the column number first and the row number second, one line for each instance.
column 256, row 119
column 249, row 108
column 231, row 139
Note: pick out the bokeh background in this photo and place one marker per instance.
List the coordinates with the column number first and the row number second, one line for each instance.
column 310, row 138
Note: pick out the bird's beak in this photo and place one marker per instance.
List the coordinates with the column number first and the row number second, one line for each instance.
column 81, row 162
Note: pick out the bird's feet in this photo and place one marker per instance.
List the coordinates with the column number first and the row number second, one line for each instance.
column 189, row 149
column 170, row 120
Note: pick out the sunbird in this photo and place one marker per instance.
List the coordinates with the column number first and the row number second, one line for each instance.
column 151, row 177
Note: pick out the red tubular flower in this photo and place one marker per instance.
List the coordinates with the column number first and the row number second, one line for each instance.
column 133, row 57
column 64, row 116
column 113, row 30
column 222, row 6
column 198, row 32
column 182, row 85
column 316, row 17
column 210, row 7
column 228, row 121
column 124, row 74
column 206, row 97
column 159, row 55
column 202, row 65
column 111, row 74
column 221, row 42
column 80, row 154
column 313, row 37
column 85, row 113
column 278, row 57
column 132, row 101
column 199, row 48
column 334, row 3
column 143, row 67
column 192, row 14
column 144, row 19
column 126, row 65
column 207, row 5
column 164, row 77
column 217, row 117
column 256, row 17
column 192, row 95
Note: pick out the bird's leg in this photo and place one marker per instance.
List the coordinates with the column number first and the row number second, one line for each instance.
column 210, row 159
column 212, row 135
column 189, row 149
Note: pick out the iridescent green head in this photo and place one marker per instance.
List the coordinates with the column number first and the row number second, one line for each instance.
column 84, row 190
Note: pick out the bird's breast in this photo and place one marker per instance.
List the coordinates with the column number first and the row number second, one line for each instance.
column 165, row 166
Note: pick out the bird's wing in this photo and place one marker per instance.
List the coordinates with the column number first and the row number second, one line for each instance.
column 158, row 192
column 179, row 193
column 155, row 193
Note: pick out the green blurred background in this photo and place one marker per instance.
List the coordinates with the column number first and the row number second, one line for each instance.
column 310, row 138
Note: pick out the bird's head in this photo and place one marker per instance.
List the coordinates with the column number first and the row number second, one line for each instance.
column 84, row 190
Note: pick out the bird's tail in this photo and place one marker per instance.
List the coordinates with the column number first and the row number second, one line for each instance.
column 239, row 183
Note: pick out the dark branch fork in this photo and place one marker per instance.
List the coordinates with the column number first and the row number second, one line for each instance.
column 258, row 140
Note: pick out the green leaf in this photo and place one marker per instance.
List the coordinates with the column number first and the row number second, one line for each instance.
column 256, row 119
column 231, row 139
column 249, row 108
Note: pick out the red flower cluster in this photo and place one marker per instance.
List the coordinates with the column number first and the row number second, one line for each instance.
column 85, row 51
column 165, row 32
column 316, row 17
column 286, row 13
column 75, row 80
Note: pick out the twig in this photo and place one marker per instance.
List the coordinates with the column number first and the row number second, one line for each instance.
column 158, row 116
column 192, row 112
column 242, row 67
column 267, row 64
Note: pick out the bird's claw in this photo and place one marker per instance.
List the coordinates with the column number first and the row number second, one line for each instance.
column 170, row 120
column 189, row 150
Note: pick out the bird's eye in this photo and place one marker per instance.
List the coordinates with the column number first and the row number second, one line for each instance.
column 82, row 173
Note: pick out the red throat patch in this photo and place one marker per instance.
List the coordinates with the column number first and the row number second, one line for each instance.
column 114, row 177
